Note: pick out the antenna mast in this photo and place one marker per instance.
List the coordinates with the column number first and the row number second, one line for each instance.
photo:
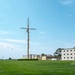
column 28, row 37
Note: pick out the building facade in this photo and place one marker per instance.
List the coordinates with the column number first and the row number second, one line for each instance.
column 31, row 56
column 68, row 54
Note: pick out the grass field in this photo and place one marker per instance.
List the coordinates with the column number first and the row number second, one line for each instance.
column 9, row 67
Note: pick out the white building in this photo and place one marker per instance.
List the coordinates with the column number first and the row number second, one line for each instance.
column 31, row 56
column 68, row 54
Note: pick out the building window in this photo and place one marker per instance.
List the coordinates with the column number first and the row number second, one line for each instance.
column 74, row 53
column 67, row 54
column 67, row 50
column 64, row 54
column 74, row 50
column 71, row 53
column 71, row 50
column 64, row 57
column 67, row 57
column 71, row 57
column 64, row 50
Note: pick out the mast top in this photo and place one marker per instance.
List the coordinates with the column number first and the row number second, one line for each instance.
column 28, row 20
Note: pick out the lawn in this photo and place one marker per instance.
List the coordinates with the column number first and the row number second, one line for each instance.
column 13, row 67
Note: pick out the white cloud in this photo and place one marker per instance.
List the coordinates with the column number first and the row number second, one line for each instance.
column 35, row 43
column 8, row 49
column 6, row 45
column 62, row 43
column 66, row 2
column 5, row 32
column 14, row 40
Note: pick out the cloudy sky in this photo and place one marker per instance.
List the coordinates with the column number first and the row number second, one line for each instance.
column 53, row 19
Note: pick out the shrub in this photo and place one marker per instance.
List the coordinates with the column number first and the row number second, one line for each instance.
column 9, row 58
column 27, row 59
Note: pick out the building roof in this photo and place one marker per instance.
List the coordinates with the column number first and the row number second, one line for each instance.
column 68, row 48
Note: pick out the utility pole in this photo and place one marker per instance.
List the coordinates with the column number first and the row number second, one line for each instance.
column 28, row 37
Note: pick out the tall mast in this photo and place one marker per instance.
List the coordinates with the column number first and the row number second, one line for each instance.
column 28, row 37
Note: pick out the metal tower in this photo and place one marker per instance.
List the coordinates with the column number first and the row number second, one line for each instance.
column 28, row 37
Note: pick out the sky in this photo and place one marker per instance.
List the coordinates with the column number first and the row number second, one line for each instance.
column 54, row 21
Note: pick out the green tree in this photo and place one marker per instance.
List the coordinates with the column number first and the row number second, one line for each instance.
column 43, row 54
column 58, row 52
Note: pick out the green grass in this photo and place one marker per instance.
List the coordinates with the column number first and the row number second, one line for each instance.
column 13, row 67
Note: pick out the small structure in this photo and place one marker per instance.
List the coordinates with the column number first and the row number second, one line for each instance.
column 53, row 58
column 24, row 57
column 43, row 57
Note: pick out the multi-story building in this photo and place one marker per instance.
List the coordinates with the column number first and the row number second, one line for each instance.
column 68, row 54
